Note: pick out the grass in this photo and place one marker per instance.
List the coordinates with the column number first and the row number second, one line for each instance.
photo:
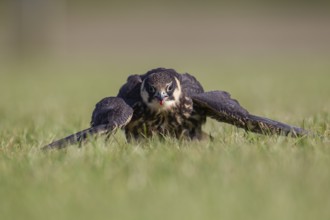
column 236, row 176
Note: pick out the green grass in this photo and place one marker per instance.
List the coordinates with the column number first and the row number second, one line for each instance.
column 237, row 176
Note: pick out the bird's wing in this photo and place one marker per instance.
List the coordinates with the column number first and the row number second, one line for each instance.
column 190, row 85
column 111, row 110
column 77, row 137
column 220, row 106
column 109, row 114
column 130, row 91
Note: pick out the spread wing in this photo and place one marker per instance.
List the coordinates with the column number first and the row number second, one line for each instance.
column 190, row 85
column 77, row 137
column 109, row 114
column 111, row 111
column 220, row 106
column 130, row 91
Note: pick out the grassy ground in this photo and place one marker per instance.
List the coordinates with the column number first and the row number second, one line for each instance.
column 237, row 176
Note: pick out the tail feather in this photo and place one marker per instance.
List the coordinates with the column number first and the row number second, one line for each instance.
column 77, row 137
column 267, row 126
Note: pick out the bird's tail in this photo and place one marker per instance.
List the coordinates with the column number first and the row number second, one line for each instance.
column 77, row 137
column 267, row 126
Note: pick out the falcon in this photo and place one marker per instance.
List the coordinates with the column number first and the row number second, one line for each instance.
column 165, row 103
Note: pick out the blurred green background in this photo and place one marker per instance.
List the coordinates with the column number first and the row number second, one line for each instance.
column 272, row 56
column 59, row 57
column 168, row 33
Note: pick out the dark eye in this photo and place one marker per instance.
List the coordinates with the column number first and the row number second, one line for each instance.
column 151, row 89
column 170, row 88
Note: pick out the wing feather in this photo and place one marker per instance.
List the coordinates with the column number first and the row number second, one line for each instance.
column 111, row 110
column 130, row 91
column 190, row 85
column 220, row 106
column 109, row 114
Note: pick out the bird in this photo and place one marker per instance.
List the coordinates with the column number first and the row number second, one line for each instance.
column 165, row 103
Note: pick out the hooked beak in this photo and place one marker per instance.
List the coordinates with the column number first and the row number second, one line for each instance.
column 161, row 97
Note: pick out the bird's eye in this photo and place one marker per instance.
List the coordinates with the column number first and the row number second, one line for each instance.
column 170, row 88
column 151, row 89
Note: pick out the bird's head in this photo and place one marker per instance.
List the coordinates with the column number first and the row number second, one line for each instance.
column 161, row 90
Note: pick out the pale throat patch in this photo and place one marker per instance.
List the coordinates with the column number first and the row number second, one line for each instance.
column 167, row 104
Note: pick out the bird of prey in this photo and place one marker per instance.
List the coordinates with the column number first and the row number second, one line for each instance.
column 163, row 102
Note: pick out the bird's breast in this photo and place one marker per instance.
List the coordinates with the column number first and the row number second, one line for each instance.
column 147, row 122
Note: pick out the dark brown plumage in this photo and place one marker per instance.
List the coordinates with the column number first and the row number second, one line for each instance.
column 165, row 103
